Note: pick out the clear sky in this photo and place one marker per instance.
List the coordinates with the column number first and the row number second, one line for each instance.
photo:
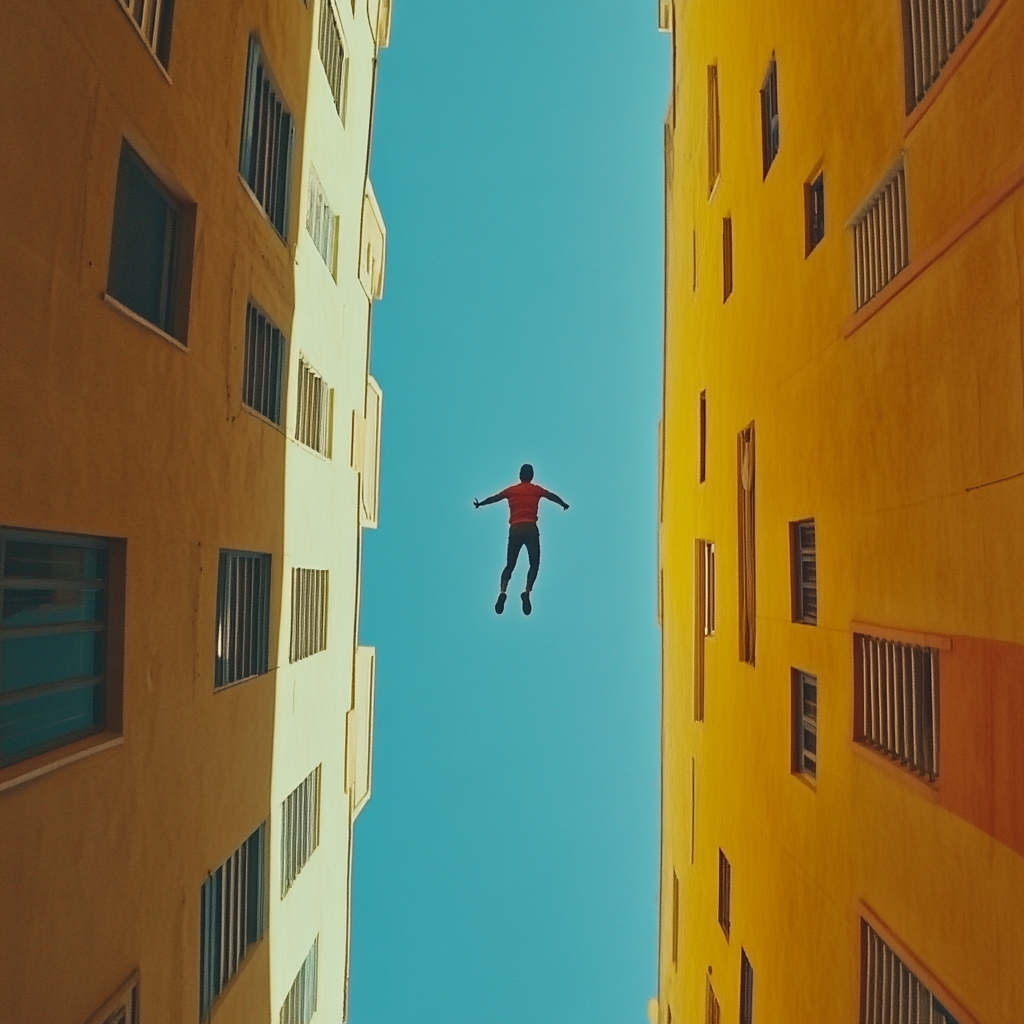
column 506, row 865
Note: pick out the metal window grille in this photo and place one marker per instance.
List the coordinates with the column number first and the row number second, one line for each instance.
column 805, row 721
column 53, row 635
column 232, row 915
column 675, row 917
column 880, row 243
column 805, row 572
column 704, row 617
column 747, row 560
column 122, row 1007
column 746, row 989
column 332, row 55
column 724, row 891
column 314, row 418
column 703, row 436
column 815, row 211
column 726, row 258
column 769, row 116
column 309, row 613
column 243, row 616
column 300, row 828
column 712, row 1011
column 714, row 129
column 892, row 993
column 263, row 373
column 300, row 1003
column 899, row 702
column 933, row 29
column 153, row 18
column 321, row 223
column 268, row 134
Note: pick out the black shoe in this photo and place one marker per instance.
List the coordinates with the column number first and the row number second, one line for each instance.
column 527, row 607
column 499, row 605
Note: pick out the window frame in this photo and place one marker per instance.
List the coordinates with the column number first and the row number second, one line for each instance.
column 223, row 678
column 724, row 893
column 746, row 989
column 800, row 556
column 727, row 258
column 254, row 309
column 770, row 137
column 803, row 725
column 714, row 130
column 814, row 213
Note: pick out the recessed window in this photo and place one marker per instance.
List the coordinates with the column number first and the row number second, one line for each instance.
column 726, row 258
column 724, row 892
column 55, row 644
column 769, row 116
column 712, row 1010
column 714, row 130
column 372, row 247
column 805, row 724
column 243, row 616
column 675, row 918
column 814, row 212
column 300, row 828
column 153, row 19
column 265, row 352
column 322, row 222
column 880, row 245
column 232, row 904
column 704, row 618
column 747, row 555
column 309, row 613
column 314, row 414
column 694, row 284
column 804, row 583
column 268, row 133
column 746, row 989
column 150, row 248
column 300, row 1003
column 703, row 436
column 333, row 56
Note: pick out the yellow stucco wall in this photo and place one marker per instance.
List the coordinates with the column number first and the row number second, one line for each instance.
column 904, row 440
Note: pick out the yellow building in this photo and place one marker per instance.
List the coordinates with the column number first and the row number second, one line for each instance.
column 189, row 446
column 841, row 559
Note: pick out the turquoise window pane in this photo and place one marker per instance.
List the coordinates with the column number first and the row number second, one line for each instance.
column 34, row 660
column 44, row 720
column 30, row 560
column 44, row 607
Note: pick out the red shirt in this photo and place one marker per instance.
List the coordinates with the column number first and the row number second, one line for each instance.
column 523, row 500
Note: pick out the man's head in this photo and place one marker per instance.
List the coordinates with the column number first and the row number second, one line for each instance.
column 526, row 473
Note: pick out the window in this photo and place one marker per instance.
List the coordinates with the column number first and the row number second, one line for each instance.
column 122, row 1007
column 814, row 213
column 369, row 467
column 664, row 15
column 714, row 130
column 300, row 828
column 804, row 582
column 694, row 285
column 300, row 1003
column 309, row 613
column 892, row 992
column 54, row 612
column 726, row 258
column 897, row 705
column 268, row 133
column 693, row 807
column 232, row 904
column 747, row 560
column 372, row 247
column 769, row 116
column 321, row 223
column 150, row 249
column 712, row 1011
column 314, row 418
column 153, row 19
column 932, row 30
column 704, row 617
column 724, row 891
column 703, row 436
column 880, row 246
column 333, row 56
column 805, row 724
column 264, row 365
column 675, row 918
column 746, row 989
column 243, row 616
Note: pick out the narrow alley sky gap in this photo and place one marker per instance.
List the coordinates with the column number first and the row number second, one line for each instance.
column 506, row 867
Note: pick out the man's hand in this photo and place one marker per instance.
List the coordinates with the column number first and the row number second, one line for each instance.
column 565, row 506
column 476, row 504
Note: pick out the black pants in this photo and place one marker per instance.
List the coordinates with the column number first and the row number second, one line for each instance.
column 519, row 535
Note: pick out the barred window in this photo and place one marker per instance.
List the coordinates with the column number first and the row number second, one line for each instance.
column 769, row 116
column 747, row 559
column 714, row 130
column 814, row 213
column 726, row 258
column 263, row 373
column 804, row 572
column 898, row 701
column 321, row 222
column 805, row 724
column 932, row 30
column 268, row 134
column 300, row 1003
column 243, row 616
column 746, row 989
column 892, row 993
column 880, row 245
column 314, row 417
column 53, row 641
column 333, row 56
column 153, row 19
column 724, row 892
column 309, row 613
column 300, row 828
column 232, row 916
column 704, row 617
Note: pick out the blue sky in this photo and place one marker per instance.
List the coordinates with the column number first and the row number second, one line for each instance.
column 506, row 866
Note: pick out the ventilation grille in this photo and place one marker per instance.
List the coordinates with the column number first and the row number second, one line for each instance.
column 880, row 246
column 936, row 29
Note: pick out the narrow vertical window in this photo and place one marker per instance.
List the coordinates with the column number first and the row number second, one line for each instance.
column 814, row 212
column 726, row 258
column 805, row 724
column 724, row 892
column 153, row 19
column 309, row 613
column 262, row 375
column 747, row 559
column 300, row 828
column 804, row 572
column 300, row 1003
column 243, row 616
column 333, row 56
column 703, row 435
column 714, row 130
column 322, row 222
column 881, row 247
column 694, row 259
column 712, row 1011
column 675, row 918
column 746, row 989
column 693, row 808
column 704, row 617
column 769, row 117
column 314, row 413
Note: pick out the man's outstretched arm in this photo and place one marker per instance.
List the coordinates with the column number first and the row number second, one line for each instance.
column 551, row 496
column 488, row 501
